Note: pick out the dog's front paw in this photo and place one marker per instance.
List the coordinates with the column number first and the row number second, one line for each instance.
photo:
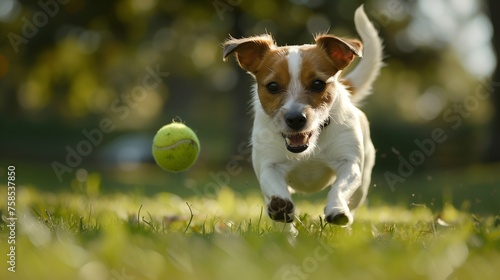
column 339, row 218
column 280, row 209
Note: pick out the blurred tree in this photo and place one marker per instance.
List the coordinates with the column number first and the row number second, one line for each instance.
column 88, row 56
column 493, row 152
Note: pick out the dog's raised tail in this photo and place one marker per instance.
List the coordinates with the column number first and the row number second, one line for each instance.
column 362, row 77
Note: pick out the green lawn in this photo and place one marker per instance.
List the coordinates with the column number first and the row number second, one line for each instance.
column 132, row 236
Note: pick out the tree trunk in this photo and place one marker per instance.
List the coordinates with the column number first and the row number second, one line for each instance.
column 493, row 151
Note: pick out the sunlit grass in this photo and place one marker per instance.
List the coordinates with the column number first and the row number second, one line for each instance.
column 131, row 236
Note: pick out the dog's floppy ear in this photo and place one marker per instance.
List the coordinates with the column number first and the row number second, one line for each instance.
column 249, row 51
column 340, row 50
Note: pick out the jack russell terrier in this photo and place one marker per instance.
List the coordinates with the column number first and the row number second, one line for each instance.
column 308, row 133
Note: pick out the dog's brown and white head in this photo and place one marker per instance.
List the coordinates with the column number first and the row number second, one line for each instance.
column 296, row 85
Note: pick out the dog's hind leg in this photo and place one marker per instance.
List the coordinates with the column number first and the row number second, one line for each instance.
column 369, row 161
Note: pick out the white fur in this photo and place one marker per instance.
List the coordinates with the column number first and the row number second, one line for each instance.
column 294, row 89
column 294, row 64
column 363, row 76
column 341, row 155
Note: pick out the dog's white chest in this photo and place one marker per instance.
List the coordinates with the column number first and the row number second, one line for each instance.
column 310, row 176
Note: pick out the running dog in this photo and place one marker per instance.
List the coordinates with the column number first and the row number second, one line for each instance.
column 308, row 133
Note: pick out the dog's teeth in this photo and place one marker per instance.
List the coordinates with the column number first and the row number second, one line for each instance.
column 297, row 139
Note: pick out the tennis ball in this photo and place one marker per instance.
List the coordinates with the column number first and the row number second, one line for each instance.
column 175, row 147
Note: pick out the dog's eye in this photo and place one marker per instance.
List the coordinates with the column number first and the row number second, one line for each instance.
column 273, row 87
column 317, row 86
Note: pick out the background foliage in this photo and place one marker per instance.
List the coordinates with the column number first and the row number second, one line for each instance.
column 65, row 67
column 77, row 123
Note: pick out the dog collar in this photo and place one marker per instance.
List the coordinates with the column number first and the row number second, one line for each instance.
column 325, row 123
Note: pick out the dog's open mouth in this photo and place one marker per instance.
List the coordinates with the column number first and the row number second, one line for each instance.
column 298, row 142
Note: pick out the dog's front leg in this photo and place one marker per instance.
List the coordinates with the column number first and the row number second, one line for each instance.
column 348, row 181
column 276, row 195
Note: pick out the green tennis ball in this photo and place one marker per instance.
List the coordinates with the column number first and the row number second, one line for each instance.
column 175, row 147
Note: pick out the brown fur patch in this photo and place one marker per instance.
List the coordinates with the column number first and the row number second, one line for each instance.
column 269, row 63
column 316, row 66
column 340, row 50
column 249, row 51
column 274, row 68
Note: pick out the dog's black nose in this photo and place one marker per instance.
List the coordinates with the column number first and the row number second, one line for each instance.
column 295, row 120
